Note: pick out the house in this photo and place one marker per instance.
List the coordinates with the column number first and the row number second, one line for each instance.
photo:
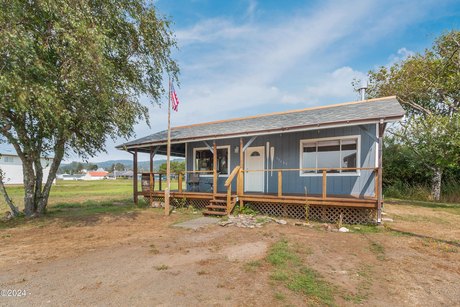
column 95, row 175
column 69, row 177
column 11, row 165
column 323, row 162
column 120, row 174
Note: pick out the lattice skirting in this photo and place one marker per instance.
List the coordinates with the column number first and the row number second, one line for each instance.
column 317, row 213
column 197, row 203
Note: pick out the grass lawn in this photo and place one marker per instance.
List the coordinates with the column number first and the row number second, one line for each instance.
column 68, row 193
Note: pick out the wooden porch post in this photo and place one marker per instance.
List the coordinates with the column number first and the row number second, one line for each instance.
column 214, row 169
column 151, row 176
column 380, row 155
column 241, row 176
column 135, row 177
column 152, row 154
column 324, row 184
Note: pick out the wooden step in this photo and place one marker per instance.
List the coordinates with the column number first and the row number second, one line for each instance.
column 221, row 201
column 216, row 207
column 214, row 213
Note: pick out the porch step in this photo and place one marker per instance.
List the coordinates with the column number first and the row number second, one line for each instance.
column 219, row 201
column 216, row 207
column 214, row 213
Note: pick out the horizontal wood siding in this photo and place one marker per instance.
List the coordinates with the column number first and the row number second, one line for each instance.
column 287, row 155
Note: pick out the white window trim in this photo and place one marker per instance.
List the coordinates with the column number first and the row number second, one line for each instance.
column 337, row 138
column 206, row 148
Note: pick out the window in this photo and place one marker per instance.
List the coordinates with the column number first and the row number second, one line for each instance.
column 332, row 154
column 204, row 160
column 8, row 159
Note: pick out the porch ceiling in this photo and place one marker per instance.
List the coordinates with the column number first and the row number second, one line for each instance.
column 177, row 150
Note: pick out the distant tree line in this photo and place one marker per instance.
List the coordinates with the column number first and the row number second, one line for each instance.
column 77, row 168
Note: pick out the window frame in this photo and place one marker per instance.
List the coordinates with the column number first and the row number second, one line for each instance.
column 336, row 138
column 7, row 159
column 206, row 148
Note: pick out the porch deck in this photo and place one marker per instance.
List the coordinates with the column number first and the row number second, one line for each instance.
column 291, row 198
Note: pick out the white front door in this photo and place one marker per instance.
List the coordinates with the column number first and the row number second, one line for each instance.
column 254, row 160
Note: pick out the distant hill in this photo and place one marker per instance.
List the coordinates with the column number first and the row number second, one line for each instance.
column 142, row 165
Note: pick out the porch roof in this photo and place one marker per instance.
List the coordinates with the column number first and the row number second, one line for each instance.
column 352, row 113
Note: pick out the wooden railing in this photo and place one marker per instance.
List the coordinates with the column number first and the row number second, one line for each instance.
column 322, row 171
column 228, row 185
column 238, row 173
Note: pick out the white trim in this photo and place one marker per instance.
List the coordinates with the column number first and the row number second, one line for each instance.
column 278, row 131
column 186, row 169
column 218, row 147
column 245, row 164
column 377, row 146
column 335, row 138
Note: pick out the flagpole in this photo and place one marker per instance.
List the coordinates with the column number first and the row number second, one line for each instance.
column 168, row 154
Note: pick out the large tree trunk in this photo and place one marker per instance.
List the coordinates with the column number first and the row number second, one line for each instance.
column 30, row 206
column 58, row 155
column 436, row 184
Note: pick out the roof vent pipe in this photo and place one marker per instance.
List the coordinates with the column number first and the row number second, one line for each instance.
column 362, row 89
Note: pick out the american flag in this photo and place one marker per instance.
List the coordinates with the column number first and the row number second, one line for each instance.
column 174, row 99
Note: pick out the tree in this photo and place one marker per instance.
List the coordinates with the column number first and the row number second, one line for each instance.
column 71, row 74
column 117, row 167
column 176, row 167
column 428, row 86
column 92, row 167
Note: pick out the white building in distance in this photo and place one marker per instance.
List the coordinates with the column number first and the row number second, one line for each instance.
column 11, row 165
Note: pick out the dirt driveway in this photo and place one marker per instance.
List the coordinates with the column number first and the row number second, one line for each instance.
column 139, row 259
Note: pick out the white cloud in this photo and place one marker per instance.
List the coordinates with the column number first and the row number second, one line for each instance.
column 252, row 5
column 400, row 55
column 229, row 67
column 210, row 30
column 334, row 85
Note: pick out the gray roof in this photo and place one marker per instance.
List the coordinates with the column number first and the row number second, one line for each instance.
column 387, row 108
column 7, row 149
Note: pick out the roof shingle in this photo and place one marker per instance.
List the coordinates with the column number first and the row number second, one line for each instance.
column 387, row 108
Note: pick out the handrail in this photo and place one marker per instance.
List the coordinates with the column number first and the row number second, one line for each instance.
column 232, row 175
column 228, row 185
column 312, row 169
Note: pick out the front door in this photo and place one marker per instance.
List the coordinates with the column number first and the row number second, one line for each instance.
column 254, row 160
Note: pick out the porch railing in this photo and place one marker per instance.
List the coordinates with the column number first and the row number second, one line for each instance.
column 238, row 173
column 323, row 171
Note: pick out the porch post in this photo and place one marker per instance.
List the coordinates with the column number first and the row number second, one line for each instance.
column 380, row 155
column 214, row 169
column 135, row 177
column 241, row 175
column 151, row 176
column 152, row 154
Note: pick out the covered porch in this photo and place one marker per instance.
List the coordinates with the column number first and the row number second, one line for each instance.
column 325, row 206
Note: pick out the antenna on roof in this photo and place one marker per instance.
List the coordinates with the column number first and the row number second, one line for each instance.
column 362, row 89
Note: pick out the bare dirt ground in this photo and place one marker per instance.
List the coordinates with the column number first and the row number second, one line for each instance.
column 138, row 259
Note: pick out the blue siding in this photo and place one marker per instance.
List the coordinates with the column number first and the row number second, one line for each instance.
column 287, row 155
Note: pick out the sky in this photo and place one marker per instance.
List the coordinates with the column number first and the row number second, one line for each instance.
column 247, row 57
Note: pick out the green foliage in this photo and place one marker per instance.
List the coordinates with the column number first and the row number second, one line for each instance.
column 297, row 277
column 428, row 86
column 245, row 210
column 280, row 254
column 311, row 284
column 175, row 166
column 117, row 167
column 71, row 77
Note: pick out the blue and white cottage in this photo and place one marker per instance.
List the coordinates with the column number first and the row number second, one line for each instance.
column 324, row 162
